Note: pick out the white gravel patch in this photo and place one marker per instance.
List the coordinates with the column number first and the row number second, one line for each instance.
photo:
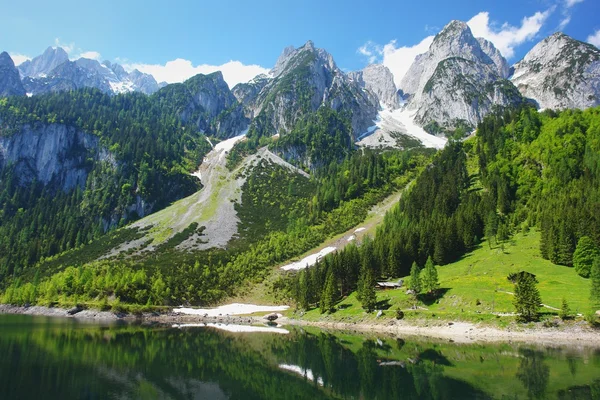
column 230, row 309
column 359, row 229
column 308, row 261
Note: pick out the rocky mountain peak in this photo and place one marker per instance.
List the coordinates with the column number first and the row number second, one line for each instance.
column 303, row 80
column 457, row 81
column 43, row 64
column 455, row 40
column 10, row 81
column 560, row 72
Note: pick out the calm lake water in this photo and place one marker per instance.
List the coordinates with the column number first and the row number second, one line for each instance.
column 45, row 358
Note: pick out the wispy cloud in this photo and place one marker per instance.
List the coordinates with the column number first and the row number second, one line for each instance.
column 372, row 51
column 594, row 38
column 566, row 11
column 19, row 59
column 179, row 70
column 571, row 3
column 507, row 37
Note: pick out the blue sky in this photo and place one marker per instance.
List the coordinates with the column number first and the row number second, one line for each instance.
column 203, row 35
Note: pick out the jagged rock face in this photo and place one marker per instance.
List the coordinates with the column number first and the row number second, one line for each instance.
column 42, row 65
column 54, row 154
column 502, row 66
column 141, row 82
column 10, row 82
column 206, row 101
column 246, row 93
column 560, row 72
column 460, row 93
column 303, row 80
column 458, row 81
column 378, row 79
column 67, row 76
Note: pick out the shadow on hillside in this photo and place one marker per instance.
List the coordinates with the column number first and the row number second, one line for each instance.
column 429, row 299
column 383, row 305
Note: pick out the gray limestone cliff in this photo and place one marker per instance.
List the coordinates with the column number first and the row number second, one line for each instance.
column 379, row 80
column 560, row 72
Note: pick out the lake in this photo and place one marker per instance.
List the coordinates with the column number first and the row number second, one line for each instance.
column 54, row 358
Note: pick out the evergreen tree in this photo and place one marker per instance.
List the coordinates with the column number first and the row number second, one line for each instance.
column 565, row 311
column 415, row 281
column 430, row 277
column 303, row 289
column 527, row 297
column 595, row 289
column 584, row 255
column 329, row 293
column 491, row 227
column 368, row 297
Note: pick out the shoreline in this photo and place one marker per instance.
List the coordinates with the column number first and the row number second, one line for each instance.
column 453, row 331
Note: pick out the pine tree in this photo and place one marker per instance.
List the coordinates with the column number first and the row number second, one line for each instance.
column 527, row 298
column 565, row 311
column 595, row 289
column 368, row 297
column 430, row 277
column 329, row 292
column 584, row 255
column 415, row 280
column 303, row 290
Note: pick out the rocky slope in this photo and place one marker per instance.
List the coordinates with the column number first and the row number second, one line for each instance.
column 303, row 80
column 206, row 101
column 10, row 84
column 246, row 93
column 560, row 72
column 54, row 154
column 378, row 79
column 457, row 81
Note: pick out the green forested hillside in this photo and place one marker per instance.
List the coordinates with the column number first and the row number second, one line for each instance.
column 282, row 216
column 154, row 153
column 523, row 169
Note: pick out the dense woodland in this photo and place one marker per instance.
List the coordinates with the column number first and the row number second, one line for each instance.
column 282, row 216
column 524, row 169
column 154, row 153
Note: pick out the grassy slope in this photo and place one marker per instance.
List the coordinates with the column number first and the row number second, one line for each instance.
column 482, row 275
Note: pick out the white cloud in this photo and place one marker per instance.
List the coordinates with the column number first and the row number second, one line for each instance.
column 19, row 59
column 566, row 13
column 399, row 59
column 68, row 47
column 371, row 51
column 594, row 38
column 93, row 55
column 179, row 70
column 507, row 37
column 564, row 22
column 571, row 3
